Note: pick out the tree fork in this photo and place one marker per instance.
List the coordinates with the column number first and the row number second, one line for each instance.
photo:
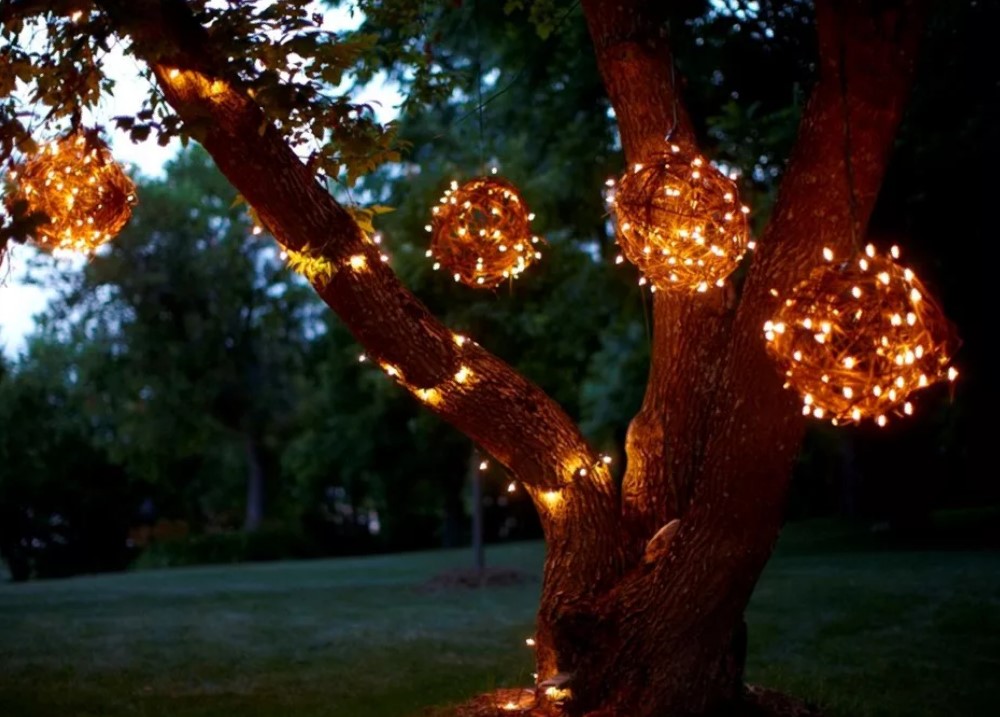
column 714, row 443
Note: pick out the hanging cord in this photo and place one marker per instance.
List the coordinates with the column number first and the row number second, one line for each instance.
column 479, row 88
column 520, row 73
column 848, row 152
column 673, row 86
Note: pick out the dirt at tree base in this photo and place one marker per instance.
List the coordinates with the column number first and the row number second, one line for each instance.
column 762, row 702
column 465, row 578
column 758, row 702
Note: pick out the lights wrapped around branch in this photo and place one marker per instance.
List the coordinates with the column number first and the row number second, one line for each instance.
column 481, row 233
column 857, row 338
column 75, row 182
column 680, row 221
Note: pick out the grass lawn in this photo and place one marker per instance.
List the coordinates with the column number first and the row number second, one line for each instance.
column 865, row 633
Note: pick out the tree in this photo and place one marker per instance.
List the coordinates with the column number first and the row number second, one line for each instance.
column 199, row 333
column 646, row 579
column 65, row 503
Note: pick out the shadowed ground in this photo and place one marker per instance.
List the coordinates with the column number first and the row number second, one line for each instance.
column 860, row 630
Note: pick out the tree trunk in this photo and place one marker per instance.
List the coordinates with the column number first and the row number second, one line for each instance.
column 476, row 492
column 644, row 588
column 713, row 445
column 255, row 485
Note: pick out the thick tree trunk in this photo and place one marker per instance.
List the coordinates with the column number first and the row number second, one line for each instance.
column 644, row 592
column 714, row 442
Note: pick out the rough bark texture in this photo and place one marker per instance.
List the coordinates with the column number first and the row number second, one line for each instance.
column 630, row 632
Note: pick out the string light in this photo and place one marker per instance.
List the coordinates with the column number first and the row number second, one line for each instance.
column 519, row 700
column 856, row 338
column 428, row 395
column 481, row 233
column 680, row 222
column 75, row 182
column 558, row 694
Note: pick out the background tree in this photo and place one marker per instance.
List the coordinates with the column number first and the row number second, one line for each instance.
column 712, row 446
column 203, row 332
column 65, row 503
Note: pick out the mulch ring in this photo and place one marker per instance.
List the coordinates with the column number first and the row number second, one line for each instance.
column 763, row 702
column 501, row 703
column 469, row 578
column 520, row 702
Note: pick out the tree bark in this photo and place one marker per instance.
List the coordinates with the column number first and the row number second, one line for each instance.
column 644, row 592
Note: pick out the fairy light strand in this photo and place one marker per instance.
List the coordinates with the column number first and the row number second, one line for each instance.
column 75, row 182
column 481, row 233
column 857, row 338
column 680, row 222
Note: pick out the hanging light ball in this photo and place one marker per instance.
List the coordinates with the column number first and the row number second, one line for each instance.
column 75, row 182
column 481, row 233
column 680, row 221
column 856, row 338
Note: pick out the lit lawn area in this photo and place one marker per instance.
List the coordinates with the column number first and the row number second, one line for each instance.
column 864, row 633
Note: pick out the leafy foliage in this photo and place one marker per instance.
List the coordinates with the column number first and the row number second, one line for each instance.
column 186, row 351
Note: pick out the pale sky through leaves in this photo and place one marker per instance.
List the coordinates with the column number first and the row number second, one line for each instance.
column 20, row 302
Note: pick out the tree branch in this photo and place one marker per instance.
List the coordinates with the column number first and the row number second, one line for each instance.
column 21, row 9
column 507, row 415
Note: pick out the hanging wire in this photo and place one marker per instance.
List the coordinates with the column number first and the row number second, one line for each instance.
column 645, row 320
column 520, row 73
column 848, row 152
column 673, row 86
column 479, row 87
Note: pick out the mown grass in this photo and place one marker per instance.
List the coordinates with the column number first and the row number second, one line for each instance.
column 865, row 633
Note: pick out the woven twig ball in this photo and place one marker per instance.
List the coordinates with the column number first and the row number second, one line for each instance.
column 856, row 338
column 481, row 233
column 85, row 194
column 680, row 221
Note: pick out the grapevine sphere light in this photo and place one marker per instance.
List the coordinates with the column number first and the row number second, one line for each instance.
column 856, row 338
column 680, row 221
column 481, row 233
column 76, row 183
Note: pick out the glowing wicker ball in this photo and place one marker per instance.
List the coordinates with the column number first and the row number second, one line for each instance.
column 680, row 221
column 481, row 233
column 84, row 193
column 857, row 338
